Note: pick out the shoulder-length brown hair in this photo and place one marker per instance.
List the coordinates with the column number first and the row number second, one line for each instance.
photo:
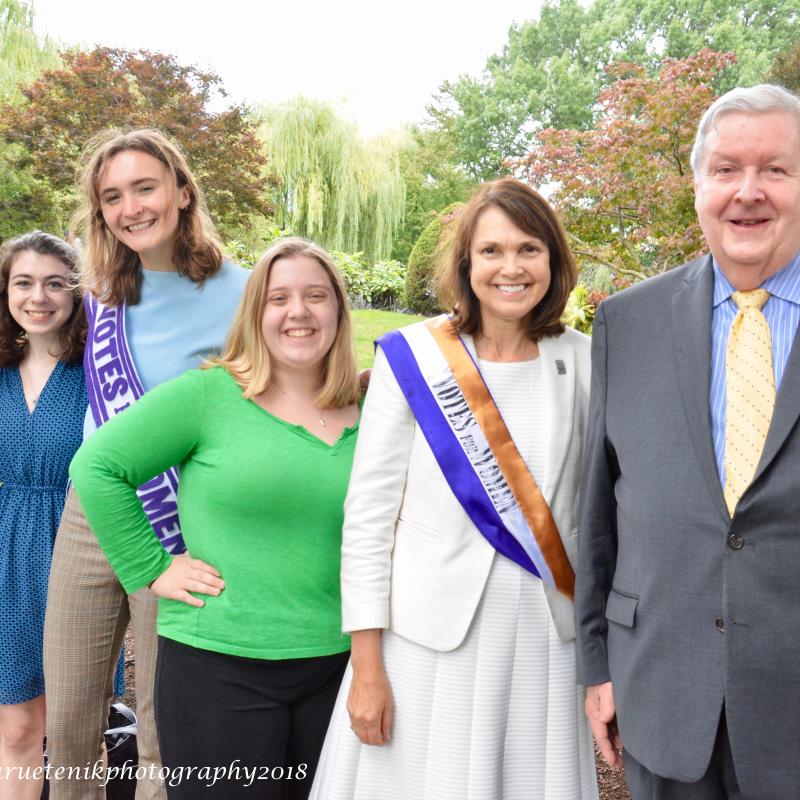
column 72, row 335
column 110, row 269
column 531, row 213
column 246, row 356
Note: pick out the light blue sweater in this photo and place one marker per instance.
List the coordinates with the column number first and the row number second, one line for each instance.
column 177, row 323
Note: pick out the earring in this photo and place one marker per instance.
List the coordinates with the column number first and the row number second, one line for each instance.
column 21, row 339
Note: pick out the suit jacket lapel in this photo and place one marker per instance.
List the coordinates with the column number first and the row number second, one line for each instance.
column 558, row 378
column 691, row 329
column 787, row 409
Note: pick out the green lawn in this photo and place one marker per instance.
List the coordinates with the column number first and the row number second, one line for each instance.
column 370, row 325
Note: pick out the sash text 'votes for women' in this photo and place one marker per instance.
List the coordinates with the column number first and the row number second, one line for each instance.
column 113, row 386
column 107, row 361
column 455, row 407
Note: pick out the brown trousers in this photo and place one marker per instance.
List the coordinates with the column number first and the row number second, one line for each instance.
column 87, row 615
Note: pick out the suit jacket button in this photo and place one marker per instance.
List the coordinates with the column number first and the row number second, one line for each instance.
column 720, row 623
column 736, row 541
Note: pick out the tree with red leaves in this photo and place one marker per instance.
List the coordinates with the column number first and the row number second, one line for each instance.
column 107, row 87
column 624, row 187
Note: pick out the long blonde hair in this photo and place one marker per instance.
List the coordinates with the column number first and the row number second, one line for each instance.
column 110, row 269
column 246, row 356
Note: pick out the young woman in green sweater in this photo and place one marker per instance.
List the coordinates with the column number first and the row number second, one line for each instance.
column 250, row 645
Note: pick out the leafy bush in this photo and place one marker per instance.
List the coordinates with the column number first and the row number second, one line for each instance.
column 355, row 273
column 387, row 285
column 380, row 285
column 582, row 307
column 421, row 275
column 246, row 250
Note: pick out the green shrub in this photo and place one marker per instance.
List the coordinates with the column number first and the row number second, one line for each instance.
column 387, row 285
column 354, row 271
column 246, row 250
column 582, row 307
column 421, row 274
column 380, row 285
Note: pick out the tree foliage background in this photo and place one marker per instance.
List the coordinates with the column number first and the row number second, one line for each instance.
column 64, row 107
column 596, row 105
column 624, row 187
column 333, row 186
column 25, row 200
column 553, row 69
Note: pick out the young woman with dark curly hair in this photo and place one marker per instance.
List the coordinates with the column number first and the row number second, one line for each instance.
column 42, row 405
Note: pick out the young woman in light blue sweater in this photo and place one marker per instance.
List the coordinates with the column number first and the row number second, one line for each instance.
column 161, row 298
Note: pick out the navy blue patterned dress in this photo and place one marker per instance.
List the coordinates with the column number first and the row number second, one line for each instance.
column 35, row 451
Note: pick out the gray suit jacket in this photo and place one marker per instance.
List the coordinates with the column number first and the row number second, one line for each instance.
column 682, row 607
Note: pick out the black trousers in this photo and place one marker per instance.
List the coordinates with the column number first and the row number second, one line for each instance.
column 719, row 782
column 232, row 727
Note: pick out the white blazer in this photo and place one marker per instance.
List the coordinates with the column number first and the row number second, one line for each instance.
column 412, row 560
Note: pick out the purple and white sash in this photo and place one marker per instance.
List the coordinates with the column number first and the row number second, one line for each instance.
column 113, row 385
column 471, row 443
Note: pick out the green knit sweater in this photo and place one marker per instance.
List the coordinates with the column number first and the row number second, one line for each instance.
column 259, row 499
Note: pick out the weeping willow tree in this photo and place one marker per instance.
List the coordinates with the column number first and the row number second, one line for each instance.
column 335, row 188
column 25, row 202
column 22, row 54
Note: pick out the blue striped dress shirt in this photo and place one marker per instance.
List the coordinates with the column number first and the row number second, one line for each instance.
column 782, row 312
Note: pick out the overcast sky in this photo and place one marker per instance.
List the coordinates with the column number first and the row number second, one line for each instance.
column 382, row 62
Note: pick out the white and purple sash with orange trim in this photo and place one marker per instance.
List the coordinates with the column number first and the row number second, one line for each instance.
column 113, row 385
column 471, row 443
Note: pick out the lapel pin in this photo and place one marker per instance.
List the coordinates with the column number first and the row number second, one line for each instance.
column 561, row 367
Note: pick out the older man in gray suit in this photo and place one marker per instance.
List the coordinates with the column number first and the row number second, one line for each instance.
column 688, row 581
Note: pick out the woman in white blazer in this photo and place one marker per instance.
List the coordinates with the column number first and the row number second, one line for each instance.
column 462, row 679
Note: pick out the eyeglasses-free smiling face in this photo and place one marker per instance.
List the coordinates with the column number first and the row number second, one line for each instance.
column 747, row 194
column 141, row 204
column 510, row 269
column 39, row 298
column 301, row 314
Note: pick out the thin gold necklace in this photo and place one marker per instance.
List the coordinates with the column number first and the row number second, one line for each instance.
column 35, row 398
column 311, row 411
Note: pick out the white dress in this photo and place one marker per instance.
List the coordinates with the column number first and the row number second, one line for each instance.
column 498, row 718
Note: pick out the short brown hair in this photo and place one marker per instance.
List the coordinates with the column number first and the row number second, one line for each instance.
column 530, row 212
column 110, row 269
column 72, row 335
column 245, row 355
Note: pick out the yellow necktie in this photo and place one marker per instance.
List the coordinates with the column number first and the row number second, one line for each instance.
column 750, row 387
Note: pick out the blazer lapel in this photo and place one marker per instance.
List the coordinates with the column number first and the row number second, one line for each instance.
column 691, row 329
column 558, row 378
column 787, row 409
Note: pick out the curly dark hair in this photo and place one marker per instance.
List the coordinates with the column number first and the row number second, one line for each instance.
column 72, row 336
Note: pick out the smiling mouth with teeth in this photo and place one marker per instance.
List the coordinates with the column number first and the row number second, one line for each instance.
column 40, row 314
column 299, row 333
column 748, row 222
column 511, row 288
column 139, row 226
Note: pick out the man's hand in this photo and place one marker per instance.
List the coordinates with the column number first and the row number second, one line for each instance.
column 602, row 715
